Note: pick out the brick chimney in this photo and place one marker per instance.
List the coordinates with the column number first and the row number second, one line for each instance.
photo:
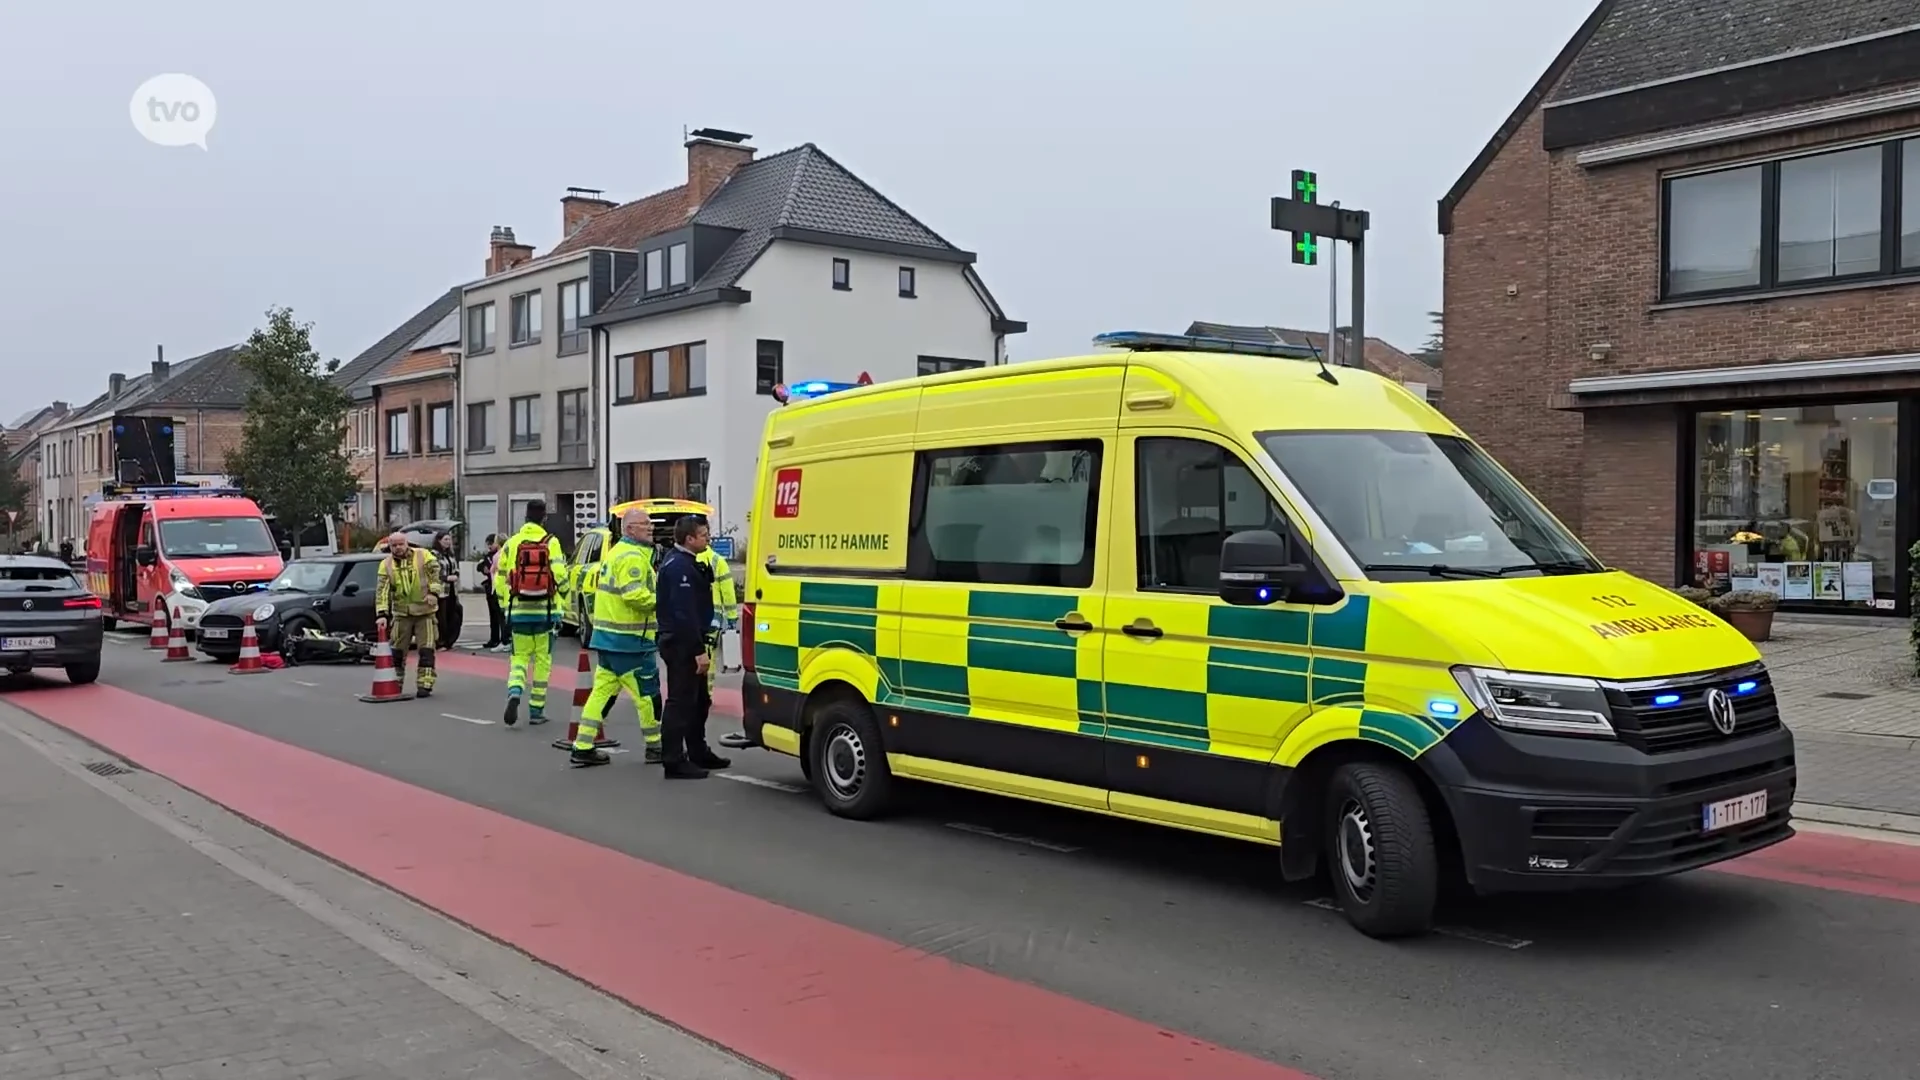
column 580, row 205
column 712, row 156
column 161, row 369
column 504, row 252
column 116, row 383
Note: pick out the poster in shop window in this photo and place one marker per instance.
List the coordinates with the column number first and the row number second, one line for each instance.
column 1826, row 581
column 1857, row 582
column 1799, row 582
column 1772, row 577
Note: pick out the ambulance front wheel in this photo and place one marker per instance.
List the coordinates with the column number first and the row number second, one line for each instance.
column 849, row 764
column 1381, row 851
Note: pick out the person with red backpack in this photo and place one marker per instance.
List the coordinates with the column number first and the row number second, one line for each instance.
column 529, row 577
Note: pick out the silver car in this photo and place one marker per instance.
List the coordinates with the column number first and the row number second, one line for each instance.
column 47, row 619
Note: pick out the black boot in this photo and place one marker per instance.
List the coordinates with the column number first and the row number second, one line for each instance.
column 512, row 715
column 653, row 755
column 704, row 757
column 582, row 759
column 684, row 770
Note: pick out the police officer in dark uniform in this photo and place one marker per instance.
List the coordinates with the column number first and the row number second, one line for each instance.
column 685, row 615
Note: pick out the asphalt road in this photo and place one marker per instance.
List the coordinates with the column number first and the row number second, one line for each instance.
column 1707, row 976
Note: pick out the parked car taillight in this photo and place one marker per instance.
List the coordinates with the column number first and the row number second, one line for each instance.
column 83, row 602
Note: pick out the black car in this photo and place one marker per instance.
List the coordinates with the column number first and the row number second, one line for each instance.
column 48, row 618
column 330, row 594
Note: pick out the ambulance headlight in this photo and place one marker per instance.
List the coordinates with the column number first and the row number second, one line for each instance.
column 1537, row 704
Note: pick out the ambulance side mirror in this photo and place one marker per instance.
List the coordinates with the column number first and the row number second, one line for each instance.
column 145, row 555
column 1259, row 567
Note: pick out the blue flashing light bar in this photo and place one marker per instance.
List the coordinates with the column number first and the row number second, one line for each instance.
column 168, row 491
column 1142, row 341
column 806, row 391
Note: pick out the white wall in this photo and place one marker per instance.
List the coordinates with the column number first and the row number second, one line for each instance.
column 827, row 333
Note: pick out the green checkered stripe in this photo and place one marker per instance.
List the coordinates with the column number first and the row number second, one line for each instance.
column 835, row 614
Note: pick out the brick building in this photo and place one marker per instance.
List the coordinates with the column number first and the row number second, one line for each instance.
column 1682, row 293
column 202, row 400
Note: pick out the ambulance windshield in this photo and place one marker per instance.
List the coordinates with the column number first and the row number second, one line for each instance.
column 1426, row 504
column 215, row 537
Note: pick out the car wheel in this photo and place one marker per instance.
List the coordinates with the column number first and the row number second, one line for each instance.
column 84, row 673
column 291, row 631
column 850, row 770
column 108, row 622
column 1380, row 850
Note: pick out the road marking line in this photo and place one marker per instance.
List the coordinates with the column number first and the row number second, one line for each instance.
column 468, row 719
column 777, row 785
column 1483, row 937
column 1012, row 838
column 304, row 682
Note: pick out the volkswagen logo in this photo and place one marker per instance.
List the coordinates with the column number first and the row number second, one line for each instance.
column 1720, row 711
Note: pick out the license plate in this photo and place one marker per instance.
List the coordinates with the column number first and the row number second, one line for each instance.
column 25, row 644
column 1730, row 812
column 212, row 634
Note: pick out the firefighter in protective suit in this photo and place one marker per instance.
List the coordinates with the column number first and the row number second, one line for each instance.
column 406, row 601
column 623, row 640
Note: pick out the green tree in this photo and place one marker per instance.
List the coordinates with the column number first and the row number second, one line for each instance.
column 1435, row 345
column 291, row 459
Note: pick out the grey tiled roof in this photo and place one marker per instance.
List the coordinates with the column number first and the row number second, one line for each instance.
column 801, row 188
column 139, row 389
column 1645, row 41
column 355, row 374
column 210, row 380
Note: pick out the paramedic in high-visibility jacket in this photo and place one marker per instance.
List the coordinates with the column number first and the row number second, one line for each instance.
column 726, row 607
column 623, row 640
column 529, row 578
column 406, row 598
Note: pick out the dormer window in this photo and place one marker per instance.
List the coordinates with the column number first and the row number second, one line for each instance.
column 656, row 270
column 676, row 266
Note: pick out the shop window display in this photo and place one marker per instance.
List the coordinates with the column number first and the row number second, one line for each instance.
column 1799, row 502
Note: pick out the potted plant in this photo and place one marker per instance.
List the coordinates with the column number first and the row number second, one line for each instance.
column 1694, row 594
column 1749, row 611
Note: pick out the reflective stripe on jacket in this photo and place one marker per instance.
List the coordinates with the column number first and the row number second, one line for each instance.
column 409, row 588
column 623, row 599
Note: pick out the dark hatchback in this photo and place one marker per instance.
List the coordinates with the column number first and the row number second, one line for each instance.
column 48, row 619
column 331, row 594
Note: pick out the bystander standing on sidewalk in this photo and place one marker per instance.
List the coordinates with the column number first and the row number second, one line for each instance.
column 496, row 616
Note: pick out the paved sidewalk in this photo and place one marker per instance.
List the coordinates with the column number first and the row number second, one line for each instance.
column 1848, row 690
column 128, row 951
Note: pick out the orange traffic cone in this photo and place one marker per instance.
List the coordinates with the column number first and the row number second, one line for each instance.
column 386, row 682
column 176, row 644
column 157, row 628
column 249, row 652
column 582, row 690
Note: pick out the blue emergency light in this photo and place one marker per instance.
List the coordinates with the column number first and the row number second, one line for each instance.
column 788, row 393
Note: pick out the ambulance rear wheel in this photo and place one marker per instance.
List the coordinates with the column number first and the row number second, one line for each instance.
column 1380, row 849
column 849, row 763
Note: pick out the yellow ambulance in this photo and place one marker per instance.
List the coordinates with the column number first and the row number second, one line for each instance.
column 1224, row 588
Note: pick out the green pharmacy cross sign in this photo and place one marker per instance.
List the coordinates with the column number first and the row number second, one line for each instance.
column 1306, row 189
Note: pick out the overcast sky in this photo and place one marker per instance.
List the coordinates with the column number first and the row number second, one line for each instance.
column 1110, row 162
